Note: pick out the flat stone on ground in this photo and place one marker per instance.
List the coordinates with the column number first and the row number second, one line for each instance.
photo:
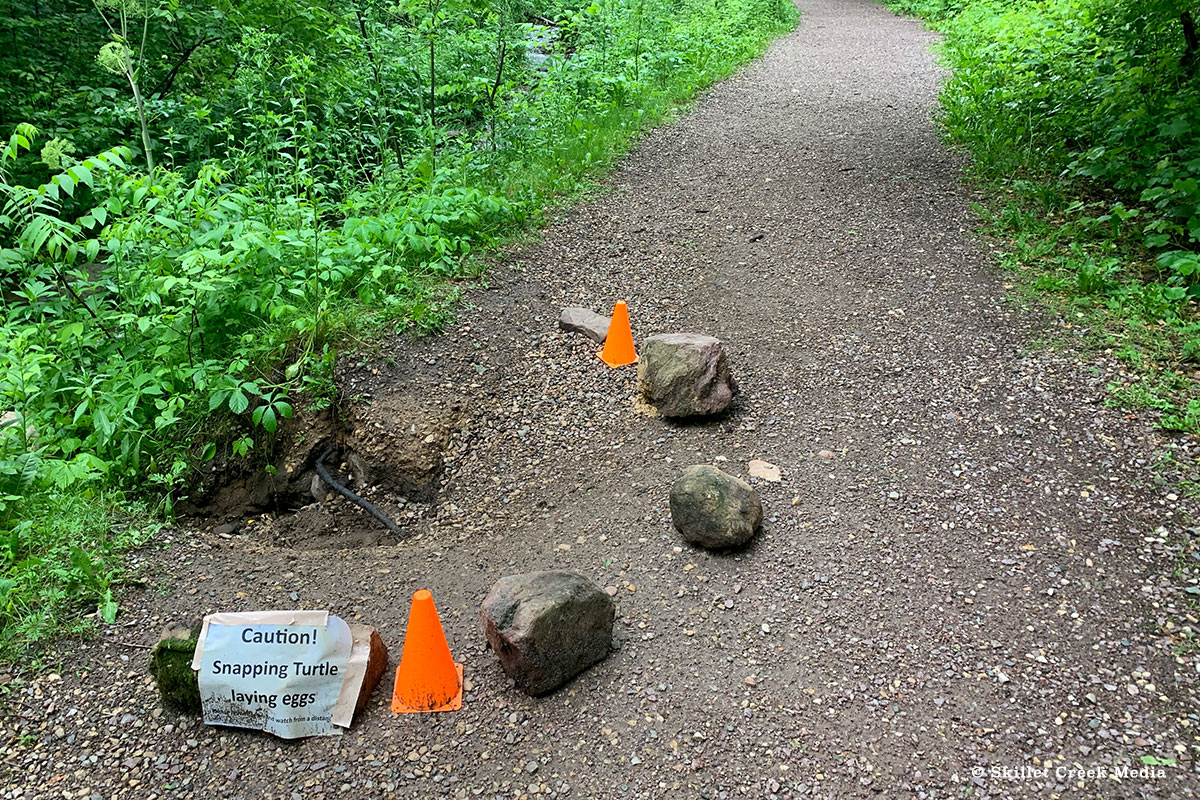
column 585, row 321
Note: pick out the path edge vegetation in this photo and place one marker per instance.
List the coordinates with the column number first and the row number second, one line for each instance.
column 1080, row 120
column 120, row 374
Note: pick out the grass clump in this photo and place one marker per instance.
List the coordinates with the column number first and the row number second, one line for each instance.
column 61, row 563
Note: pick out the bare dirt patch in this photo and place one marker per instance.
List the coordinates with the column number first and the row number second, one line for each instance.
column 388, row 448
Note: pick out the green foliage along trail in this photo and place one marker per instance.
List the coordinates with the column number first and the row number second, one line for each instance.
column 1084, row 116
column 199, row 201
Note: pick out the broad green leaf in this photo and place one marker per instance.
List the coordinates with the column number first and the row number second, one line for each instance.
column 238, row 402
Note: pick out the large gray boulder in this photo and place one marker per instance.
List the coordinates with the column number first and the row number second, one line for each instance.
column 685, row 375
column 547, row 627
column 714, row 509
column 585, row 321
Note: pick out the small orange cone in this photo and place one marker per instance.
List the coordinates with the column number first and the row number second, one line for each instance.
column 427, row 678
column 618, row 346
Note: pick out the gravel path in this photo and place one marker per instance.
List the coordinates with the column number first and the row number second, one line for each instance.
column 965, row 570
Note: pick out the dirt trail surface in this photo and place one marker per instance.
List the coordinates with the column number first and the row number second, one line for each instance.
column 961, row 572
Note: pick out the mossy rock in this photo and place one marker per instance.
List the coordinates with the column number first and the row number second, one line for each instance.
column 171, row 666
column 714, row 509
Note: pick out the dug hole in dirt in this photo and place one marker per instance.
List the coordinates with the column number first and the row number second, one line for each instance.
column 388, row 448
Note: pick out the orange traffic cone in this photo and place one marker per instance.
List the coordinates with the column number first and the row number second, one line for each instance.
column 618, row 347
column 427, row 678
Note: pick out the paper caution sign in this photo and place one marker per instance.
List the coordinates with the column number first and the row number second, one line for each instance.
column 290, row 673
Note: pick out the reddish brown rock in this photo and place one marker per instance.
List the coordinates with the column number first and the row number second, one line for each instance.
column 547, row 627
column 377, row 662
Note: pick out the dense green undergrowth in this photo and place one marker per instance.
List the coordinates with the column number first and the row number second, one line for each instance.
column 1083, row 119
column 199, row 203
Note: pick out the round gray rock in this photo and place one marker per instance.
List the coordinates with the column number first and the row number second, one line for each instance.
column 714, row 509
column 685, row 375
column 547, row 627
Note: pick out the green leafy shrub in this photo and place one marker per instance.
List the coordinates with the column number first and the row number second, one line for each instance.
column 1085, row 115
column 1103, row 90
column 321, row 172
